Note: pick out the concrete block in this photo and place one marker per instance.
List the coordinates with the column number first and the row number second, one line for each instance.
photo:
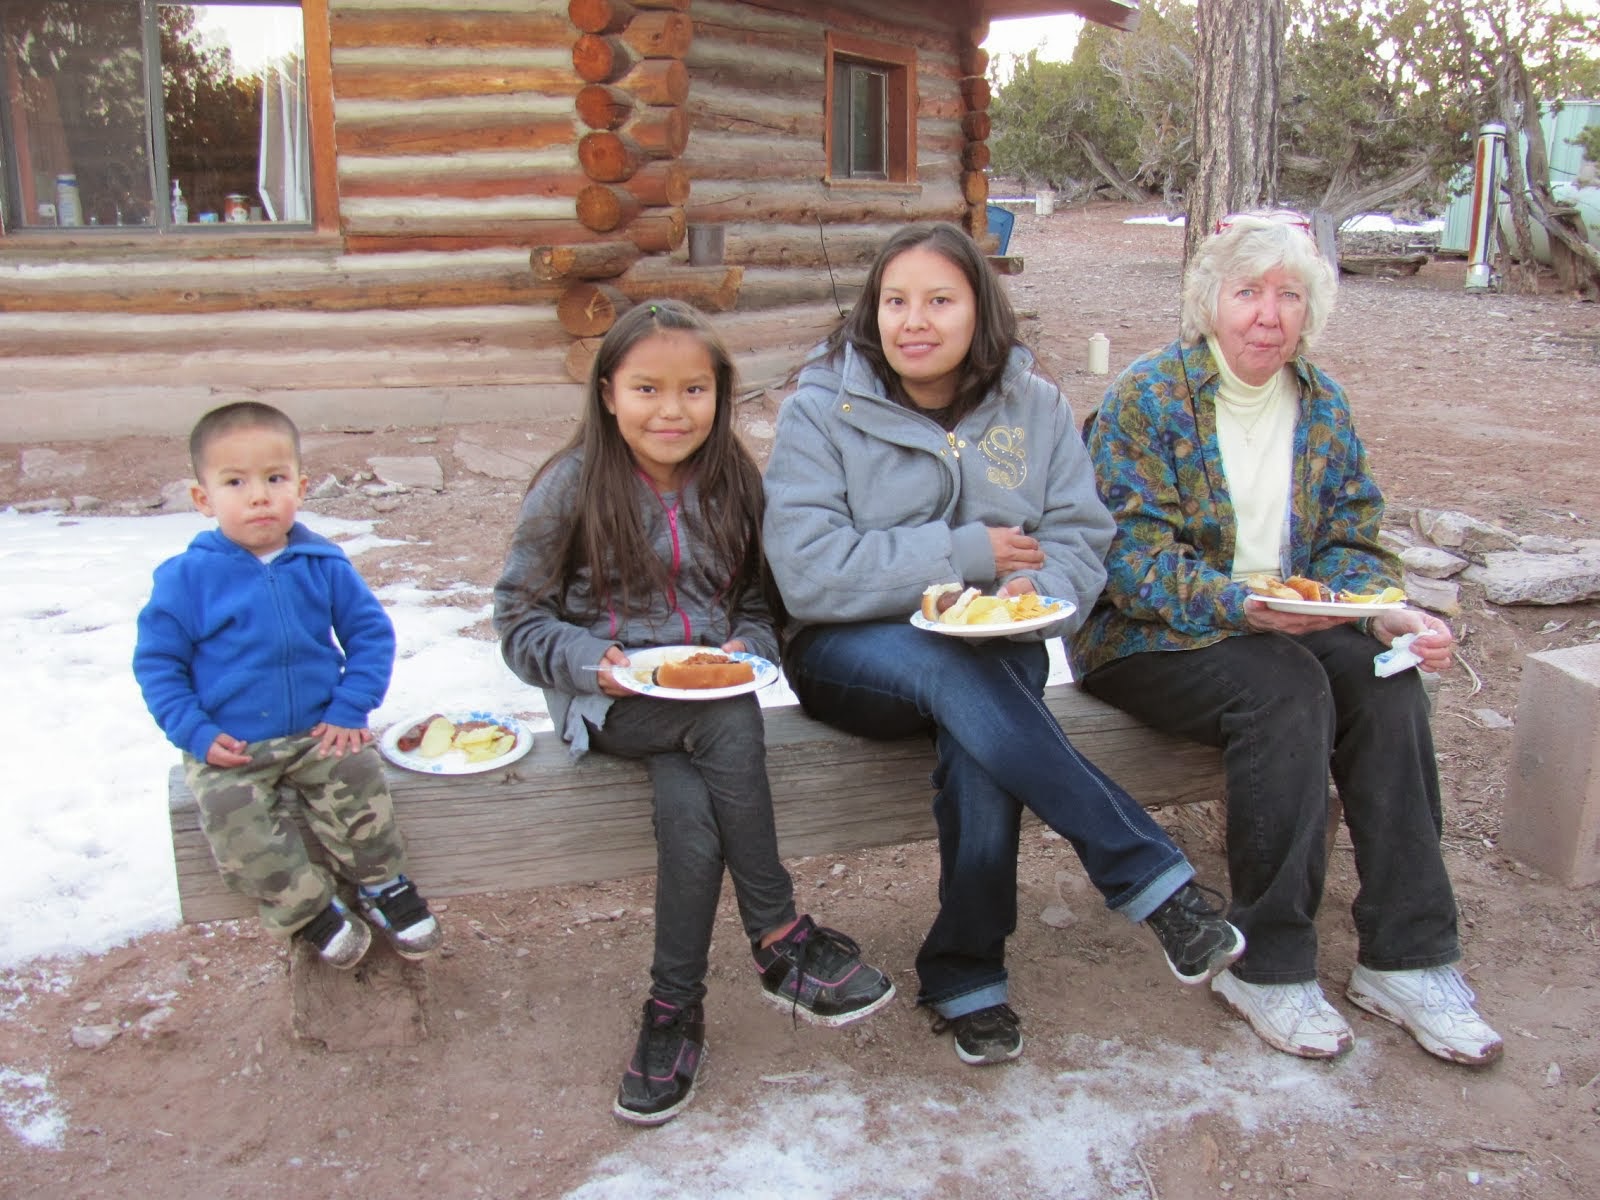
column 1552, row 811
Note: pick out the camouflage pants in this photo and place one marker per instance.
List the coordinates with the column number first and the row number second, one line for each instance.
column 247, row 814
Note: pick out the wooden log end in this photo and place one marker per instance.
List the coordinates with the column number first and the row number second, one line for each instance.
column 589, row 309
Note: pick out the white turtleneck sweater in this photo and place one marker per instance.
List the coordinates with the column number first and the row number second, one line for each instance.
column 1255, row 430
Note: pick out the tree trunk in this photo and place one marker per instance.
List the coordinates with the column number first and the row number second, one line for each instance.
column 1239, row 56
column 1107, row 171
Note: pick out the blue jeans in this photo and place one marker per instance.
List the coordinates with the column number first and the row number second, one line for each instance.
column 1285, row 711
column 999, row 750
column 712, row 809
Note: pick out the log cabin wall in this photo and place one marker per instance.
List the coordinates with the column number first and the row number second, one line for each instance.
column 511, row 175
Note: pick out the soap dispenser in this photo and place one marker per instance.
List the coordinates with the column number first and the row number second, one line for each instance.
column 180, row 206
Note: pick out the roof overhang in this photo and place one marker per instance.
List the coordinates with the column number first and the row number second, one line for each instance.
column 1102, row 12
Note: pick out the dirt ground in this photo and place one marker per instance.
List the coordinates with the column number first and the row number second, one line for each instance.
column 1485, row 403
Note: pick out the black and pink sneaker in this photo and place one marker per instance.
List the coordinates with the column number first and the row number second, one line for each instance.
column 818, row 974
column 659, row 1080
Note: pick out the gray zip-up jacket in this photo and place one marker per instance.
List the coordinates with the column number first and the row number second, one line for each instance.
column 869, row 502
column 546, row 643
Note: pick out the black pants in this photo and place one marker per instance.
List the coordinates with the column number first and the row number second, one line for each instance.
column 1284, row 710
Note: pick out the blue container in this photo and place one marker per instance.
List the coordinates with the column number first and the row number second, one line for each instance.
column 1000, row 222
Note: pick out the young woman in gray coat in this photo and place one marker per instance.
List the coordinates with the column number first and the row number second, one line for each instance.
column 923, row 445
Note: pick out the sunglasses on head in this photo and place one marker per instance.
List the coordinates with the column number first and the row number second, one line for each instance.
column 1274, row 216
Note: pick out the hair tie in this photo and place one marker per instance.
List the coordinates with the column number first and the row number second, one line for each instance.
column 654, row 311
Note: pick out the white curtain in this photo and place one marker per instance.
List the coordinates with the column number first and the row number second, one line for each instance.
column 284, row 175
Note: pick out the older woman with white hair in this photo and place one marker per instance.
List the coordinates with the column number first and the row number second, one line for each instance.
column 1227, row 454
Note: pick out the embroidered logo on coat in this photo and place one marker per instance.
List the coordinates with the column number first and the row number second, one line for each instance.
column 1008, row 462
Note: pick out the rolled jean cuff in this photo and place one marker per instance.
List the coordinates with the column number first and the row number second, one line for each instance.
column 970, row 1002
column 1157, row 892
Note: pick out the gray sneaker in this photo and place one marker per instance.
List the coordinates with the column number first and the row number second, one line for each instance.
column 1196, row 939
column 990, row 1035
column 1433, row 1005
column 339, row 939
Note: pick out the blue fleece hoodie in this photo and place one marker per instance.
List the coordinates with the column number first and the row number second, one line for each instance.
column 229, row 644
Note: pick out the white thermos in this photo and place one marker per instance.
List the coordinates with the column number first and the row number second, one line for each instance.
column 1099, row 354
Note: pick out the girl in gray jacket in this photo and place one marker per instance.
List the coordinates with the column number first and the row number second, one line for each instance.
column 924, row 446
column 645, row 531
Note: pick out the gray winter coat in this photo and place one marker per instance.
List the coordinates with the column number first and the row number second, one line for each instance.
column 869, row 502
column 545, row 643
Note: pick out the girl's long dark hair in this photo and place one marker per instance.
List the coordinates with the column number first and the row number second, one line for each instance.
column 607, row 538
column 992, row 339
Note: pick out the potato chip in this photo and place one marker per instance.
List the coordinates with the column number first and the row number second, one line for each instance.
column 436, row 739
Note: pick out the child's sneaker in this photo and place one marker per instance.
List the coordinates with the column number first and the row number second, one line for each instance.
column 659, row 1080
column 990, row 1035
column 818, row 973
column 1196, row 939
column 340, row 941
column 403, row 917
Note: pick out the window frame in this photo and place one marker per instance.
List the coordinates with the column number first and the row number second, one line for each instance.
column 317, row 41
column 899, row 65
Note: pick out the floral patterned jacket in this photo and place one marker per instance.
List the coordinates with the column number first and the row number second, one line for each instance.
column 1159, row 470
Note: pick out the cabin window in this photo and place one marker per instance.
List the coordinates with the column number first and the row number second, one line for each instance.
column 134, row 114
column 871, row 125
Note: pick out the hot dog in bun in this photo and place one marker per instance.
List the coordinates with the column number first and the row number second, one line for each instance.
column 940, row 598
column 703, row 669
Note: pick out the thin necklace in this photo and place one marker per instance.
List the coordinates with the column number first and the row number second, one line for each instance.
column 1262, row 410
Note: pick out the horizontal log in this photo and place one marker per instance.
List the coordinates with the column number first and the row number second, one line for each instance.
column 66, row 350
column 465, row 179
column 434, row 29
column 388, row 81
column 128, row 408
column 587, row 309
column 661, row 34
column 658, row 81
column 658, row 230
column 975, row 156
column 591, row 260
column 804, row 203
column 975, row 91
column 661, row 184
column 770, row 287
column 974, row 60
column 977, row 126
column 459, row 133
column 975, row 187
column 545, row 821
column 710, row 289
column 339, row 283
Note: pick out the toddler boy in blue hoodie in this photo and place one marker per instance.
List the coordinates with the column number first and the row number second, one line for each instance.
column 260, row 654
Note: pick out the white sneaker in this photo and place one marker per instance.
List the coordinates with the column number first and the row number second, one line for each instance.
column 1293, row 1017
column 1433, row 1005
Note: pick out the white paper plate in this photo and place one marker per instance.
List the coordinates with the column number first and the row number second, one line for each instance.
column 1328, row 608
column 998, row 628
column 636, row 675
column 454, row 762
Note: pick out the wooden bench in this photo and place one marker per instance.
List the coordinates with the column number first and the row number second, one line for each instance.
column 546, row 820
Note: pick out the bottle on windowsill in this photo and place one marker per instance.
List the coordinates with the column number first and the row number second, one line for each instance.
column 180, row 206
